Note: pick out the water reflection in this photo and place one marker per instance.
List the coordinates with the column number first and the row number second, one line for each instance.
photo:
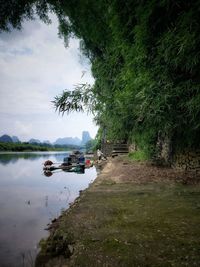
column 48, row 173
column 12, row 157
column 77, row 170
column 29, row 201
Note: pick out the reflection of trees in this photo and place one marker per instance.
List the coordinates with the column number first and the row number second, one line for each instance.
column 13, row 158
column 5, row 159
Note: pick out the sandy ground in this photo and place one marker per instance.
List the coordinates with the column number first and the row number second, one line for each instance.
column 123, row 170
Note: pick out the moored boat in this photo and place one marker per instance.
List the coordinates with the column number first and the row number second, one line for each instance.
column 74, row 162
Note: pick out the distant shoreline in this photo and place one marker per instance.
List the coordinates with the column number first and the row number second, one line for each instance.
column 26, row 147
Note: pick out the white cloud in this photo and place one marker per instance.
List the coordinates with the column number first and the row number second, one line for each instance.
column 35, row 67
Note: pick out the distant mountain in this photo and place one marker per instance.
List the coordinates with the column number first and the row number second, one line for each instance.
column 68, row 141
column 85, row 137
column 15, row 139
column 74, row 140
column 46, row 142
column 34, row 141
column 6, row 139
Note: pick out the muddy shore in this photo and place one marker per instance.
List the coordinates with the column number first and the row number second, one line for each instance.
column 133, row 214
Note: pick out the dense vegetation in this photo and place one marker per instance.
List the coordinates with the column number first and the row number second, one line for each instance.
column 18, row 147
column 145, row 59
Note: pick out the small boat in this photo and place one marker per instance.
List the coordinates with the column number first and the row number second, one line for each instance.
column 74, row 162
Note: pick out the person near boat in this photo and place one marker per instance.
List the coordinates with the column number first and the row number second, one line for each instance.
column 99, row 154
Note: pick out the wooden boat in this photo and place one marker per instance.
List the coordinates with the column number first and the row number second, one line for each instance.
column 63, row 167
column 72, row 163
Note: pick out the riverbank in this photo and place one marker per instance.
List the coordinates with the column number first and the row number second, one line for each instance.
column 133, row 214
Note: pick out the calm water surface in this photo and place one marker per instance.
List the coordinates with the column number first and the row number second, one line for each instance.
column 29, row 201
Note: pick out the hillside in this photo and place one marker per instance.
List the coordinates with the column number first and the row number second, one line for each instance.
column 68, row 140
column 6, row 139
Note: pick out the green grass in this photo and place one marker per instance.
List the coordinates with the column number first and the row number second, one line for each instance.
column 135, row 225
column 138, row 155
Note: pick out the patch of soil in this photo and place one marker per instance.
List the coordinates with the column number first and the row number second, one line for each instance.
column 121, row 170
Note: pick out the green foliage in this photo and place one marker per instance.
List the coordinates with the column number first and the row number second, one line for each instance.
column 13, row 13
column 76, row 100
column 89, row 146
column 138, row 155
column 146, row 69
column 19, row 147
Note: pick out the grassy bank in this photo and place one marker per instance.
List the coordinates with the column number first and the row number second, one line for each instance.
column 138, row 156
column 123, row 220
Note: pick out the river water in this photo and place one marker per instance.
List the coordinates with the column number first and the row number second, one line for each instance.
column 29, row 200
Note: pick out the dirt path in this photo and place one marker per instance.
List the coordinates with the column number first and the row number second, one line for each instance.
column 123, row 170
column 133, row 214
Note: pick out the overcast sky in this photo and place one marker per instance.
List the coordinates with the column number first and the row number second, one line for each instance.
column 34, row 68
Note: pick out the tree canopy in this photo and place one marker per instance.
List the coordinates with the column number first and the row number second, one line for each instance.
column 145, row 60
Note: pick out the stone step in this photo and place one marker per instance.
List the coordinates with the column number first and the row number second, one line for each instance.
column 115, row 149
column 120, row 151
